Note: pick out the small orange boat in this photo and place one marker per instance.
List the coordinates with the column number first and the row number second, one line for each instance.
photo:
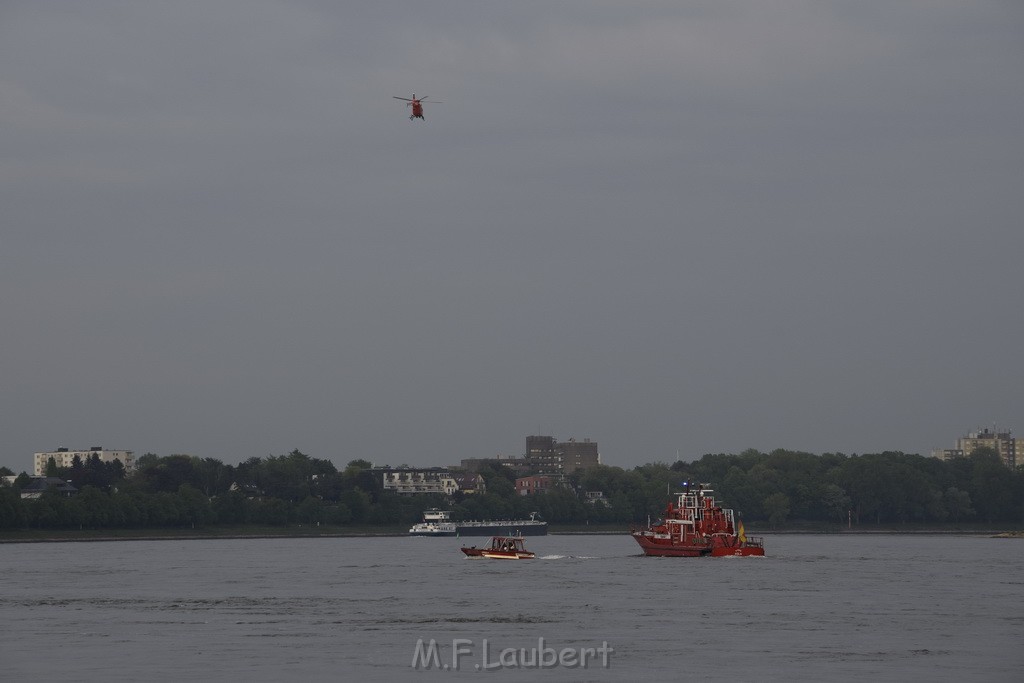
column 501, row 548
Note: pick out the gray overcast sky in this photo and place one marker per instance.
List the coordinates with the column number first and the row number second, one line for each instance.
column 670, row 227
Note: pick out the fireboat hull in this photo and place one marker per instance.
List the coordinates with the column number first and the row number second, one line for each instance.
column 667, row 547
column 655, row 549
column 742, row 551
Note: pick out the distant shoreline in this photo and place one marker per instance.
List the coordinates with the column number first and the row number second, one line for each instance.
column 94, row 536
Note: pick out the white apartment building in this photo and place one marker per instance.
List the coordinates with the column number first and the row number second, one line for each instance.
column 413, row 481
column 64, row 457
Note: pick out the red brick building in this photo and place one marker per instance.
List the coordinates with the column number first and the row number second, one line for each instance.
column 528, row 486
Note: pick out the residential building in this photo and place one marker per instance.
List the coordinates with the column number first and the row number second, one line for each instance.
column 65, row 457
column 579, row 455
column 515, row 465
column 37, row 486
column 1003, row 443
column 545, row 455
column 408, row 481
column 469, row 482
column 532, row 485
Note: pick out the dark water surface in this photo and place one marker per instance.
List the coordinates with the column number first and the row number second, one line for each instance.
column 845, row 608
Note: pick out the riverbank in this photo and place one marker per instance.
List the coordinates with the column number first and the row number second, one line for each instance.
column 200, row 533
column 326, row 531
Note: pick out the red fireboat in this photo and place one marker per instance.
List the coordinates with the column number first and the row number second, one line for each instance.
column 696, row 527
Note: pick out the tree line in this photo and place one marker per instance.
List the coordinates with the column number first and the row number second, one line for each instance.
column 775, row 489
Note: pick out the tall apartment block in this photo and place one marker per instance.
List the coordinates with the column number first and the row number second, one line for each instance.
column 64, row 457
column 1002, row 443
column 547, row 456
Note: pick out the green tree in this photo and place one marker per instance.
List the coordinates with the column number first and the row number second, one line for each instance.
column 291, row 476
column 358, row 504
column 163, row 509
column 230, row 508
column 91, row 507
column 45, row 512
column 145, row 460
column 835, row 502
column 958, row 504
column 212, row 477
column 991, row 486
column 12, row 510
column 125, row 511
column 499, row 482
column 273, row 511
column 194, row 506
column 310, row 511
column 168, row 474
column 337, row 514
column 777, row 507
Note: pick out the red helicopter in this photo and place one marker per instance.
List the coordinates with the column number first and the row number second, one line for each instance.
column 417, row 105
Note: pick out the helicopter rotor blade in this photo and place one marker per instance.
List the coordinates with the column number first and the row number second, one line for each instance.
column 402, row 98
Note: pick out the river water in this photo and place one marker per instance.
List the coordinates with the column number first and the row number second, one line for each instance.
column 843, row 608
